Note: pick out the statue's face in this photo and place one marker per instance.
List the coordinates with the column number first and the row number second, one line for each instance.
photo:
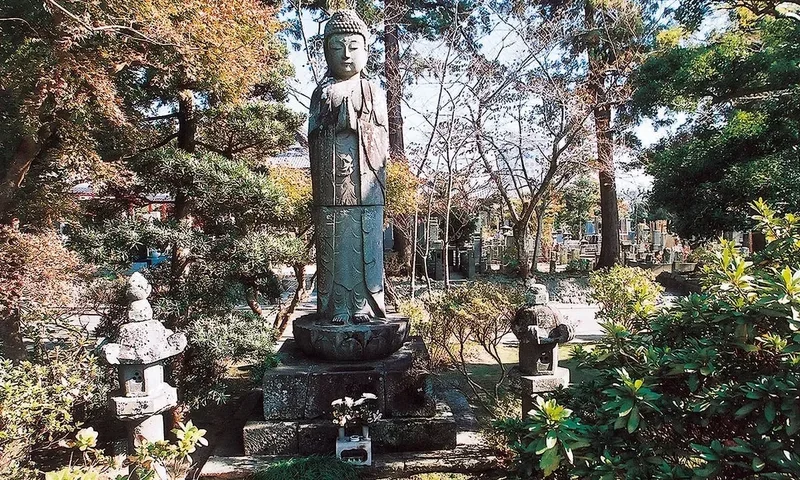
column 346, row 54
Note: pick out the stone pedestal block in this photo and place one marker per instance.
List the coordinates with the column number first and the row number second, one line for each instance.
column 270, row 438
column 140, row 407
column 303, row 389
column 298, row 395
column 533, row 385
column 415, row 434
column 408, row 394
column 409, row 434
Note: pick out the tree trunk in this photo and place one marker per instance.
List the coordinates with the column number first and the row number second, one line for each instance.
column 520, row 236
column 394, row 99
column 445, row 249
column 391, row 294
column 537, row 243
column 187, row 128
column 414, row 247
column 12, row 345
column 21, row 161
column 427, row 272
column 282, row 319
column 252, row 301
column 402, row 244
column 609, row 213
column 394, row 84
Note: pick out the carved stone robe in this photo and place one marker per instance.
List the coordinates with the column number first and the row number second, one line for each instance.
column 348, row 138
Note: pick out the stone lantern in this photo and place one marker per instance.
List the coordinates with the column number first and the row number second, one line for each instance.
column 142, row 346
column 540, row 330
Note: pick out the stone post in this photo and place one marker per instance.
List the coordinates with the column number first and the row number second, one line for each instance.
column 141, row 347
column 540, row 330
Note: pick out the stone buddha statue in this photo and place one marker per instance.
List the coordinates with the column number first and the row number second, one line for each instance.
column 348, row 138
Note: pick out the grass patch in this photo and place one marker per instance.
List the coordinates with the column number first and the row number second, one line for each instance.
column 440, row 476
column 576, row 374
column 309, row 468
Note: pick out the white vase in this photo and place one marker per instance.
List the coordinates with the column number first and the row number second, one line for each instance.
column 341, row 432
column 365, row 431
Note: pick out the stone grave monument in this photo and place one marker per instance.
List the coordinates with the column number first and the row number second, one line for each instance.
column 540, row 330
column 350, row 345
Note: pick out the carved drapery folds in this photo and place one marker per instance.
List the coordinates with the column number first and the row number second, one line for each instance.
column 348, row 137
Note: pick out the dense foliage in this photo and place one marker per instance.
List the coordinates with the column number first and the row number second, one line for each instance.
column 581, row 202
column 708, row 389
column 38, row 403
column 231, row 245
column 164, row 113
column 159, row 460
column 739, row 88
column 54, row 375
column 461, row 321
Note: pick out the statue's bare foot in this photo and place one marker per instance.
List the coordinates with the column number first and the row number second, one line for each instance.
column 361, row 318
column 340, row 319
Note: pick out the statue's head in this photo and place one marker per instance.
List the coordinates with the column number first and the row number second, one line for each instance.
column 346, row 44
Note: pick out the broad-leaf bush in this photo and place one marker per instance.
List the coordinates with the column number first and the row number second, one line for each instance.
column 549, row 439
column 705, row 388
column 38, row 403
column 159, row 460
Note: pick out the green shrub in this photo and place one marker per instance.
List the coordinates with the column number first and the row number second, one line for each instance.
column 414, row 309
column 309, row 468
column 215, row 343
column 159, row 460
column 626, row 296
column 708, row 389
column 235, row 336
column 475, row 316
column 38, row 403
column 580, row 265
column 48, row 375
column 705, row 254
column 545, row 440
column 260, row 368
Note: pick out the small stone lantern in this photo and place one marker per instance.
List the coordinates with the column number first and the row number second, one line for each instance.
column 540, row 330
column 142, row 346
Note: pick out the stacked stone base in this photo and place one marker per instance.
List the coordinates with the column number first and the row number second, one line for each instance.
column 298, row 395
column 418, row 434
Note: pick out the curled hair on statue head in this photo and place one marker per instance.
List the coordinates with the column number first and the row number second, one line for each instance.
column 345, row 21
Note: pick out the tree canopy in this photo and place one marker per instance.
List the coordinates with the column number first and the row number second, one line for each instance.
column 740, row 89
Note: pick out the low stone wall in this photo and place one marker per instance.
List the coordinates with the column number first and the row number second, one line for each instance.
column 565, row 288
